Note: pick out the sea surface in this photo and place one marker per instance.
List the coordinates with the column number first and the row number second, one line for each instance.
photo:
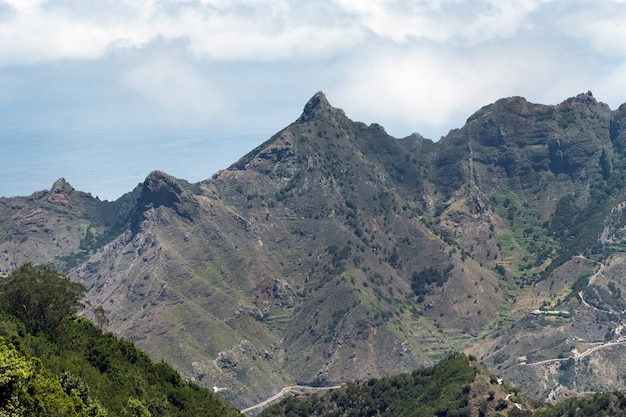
column 108, row 163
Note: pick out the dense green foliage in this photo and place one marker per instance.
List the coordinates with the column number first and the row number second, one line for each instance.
column 442, row 390
column 54, row 363
column 29, row 389
column 40, row 297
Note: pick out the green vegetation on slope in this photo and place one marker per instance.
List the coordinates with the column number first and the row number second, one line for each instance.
column 455, row 386
column 578, row 228
column 528, row 244
column 441, row 390
column 42, row 299
column 54, row 363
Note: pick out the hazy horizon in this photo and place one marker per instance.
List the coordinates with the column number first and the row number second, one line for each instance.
column 109, row 164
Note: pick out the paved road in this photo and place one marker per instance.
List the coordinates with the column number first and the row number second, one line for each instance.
column 282, row 393
column 577, row 356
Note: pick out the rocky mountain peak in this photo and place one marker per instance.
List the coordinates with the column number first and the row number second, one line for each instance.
column 61, row 186
column 60, row 192
column 586, row 98
column 583, row 103
column 161, row 189
column 317, row 105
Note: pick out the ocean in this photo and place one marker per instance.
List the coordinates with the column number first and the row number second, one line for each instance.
column 109, row 163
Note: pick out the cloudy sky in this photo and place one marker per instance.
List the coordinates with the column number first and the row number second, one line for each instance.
column 101, row 92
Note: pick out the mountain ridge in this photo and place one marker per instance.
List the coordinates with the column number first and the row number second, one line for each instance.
column 335, row 252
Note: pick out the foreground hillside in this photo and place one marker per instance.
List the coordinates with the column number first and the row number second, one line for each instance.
column 334, row 252
column 53, row 363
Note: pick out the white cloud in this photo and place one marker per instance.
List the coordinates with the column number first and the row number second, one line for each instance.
column 457, row 21
column 261, row 30
column 430, row 87
column 32, row 37
column 409, row 64
column 607, row 88
column 178, row 91
column 250, row 65
column 601, row 27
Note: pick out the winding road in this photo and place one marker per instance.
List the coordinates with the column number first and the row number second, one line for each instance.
column 576, row 356
column 283, row 392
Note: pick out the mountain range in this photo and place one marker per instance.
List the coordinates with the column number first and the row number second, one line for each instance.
column 334, row 252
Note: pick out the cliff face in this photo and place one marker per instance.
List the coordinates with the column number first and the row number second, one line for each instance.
column 334, row 252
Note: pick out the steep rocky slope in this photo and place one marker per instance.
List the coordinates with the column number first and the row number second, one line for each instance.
column 62, row 226
column 335, row 252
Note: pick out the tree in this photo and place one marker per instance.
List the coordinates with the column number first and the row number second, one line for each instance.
column 135, row 408
column 27, row 388
column 100, row 317
column 40, row 297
